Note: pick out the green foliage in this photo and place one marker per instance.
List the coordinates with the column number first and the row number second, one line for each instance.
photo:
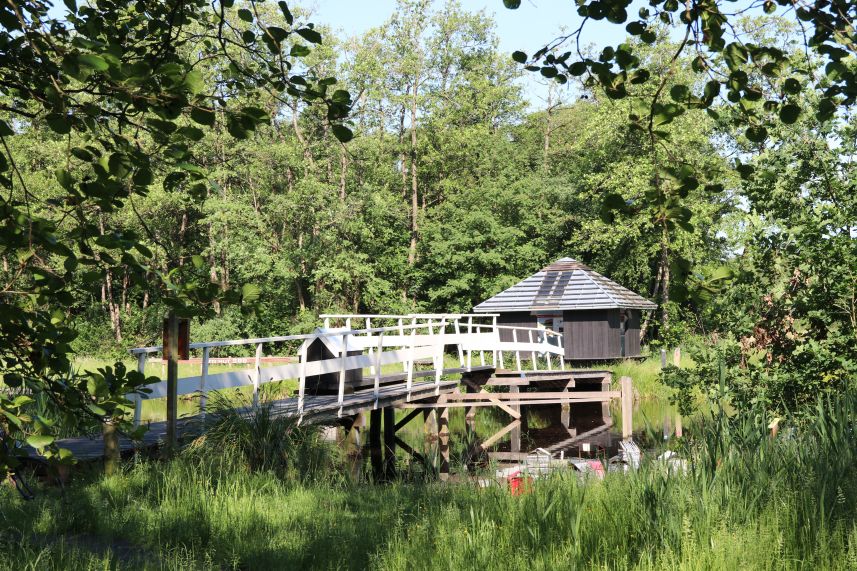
column 90, row 120
column 756, row 73
column 755, row 77
column 785, row 321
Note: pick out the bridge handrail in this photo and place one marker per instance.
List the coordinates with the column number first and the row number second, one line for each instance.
column 406, row 346
column 332, row 332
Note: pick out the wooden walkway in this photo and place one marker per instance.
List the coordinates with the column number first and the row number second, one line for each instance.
column 317, row 409
column 353, row 371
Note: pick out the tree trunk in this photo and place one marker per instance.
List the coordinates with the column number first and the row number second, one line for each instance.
column 224, row 262
column 548, row 128
column 300, row 137
column 665, row 281
column 412, row 252
column 182, row 232
column 325, row 129
column 403, row 158
column 113, row 308
column 656, row 287
column 107, row 292
column 300, row 291
column 299, row 284
column 125, row 305
column 343, row 170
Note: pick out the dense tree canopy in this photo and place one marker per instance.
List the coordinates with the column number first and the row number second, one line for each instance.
column 781, row 90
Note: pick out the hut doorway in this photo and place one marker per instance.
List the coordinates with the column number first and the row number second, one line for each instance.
column 552, row 322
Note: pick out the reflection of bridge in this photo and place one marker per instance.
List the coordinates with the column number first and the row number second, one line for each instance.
column 425, row 362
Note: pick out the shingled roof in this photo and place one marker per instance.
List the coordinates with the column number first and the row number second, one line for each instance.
column 565, row 284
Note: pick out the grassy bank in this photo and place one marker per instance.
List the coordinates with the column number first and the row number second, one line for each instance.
column 746, row 502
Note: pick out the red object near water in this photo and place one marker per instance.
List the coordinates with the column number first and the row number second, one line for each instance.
column 597, row 468
column 519, row 484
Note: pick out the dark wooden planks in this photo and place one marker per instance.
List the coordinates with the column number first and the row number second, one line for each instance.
column 592, row 334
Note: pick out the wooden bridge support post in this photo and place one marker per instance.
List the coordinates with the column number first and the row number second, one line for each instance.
column 606, row 385
column 354, row 444
column 470, row 417
column 515, row 444
column 375, row 444
column 443, row 442
column 627, row 407
column 389, row 443
column 429, row 428
column 565, row 415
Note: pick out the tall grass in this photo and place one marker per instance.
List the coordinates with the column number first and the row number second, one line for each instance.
column 244, row 436
column 746, row 501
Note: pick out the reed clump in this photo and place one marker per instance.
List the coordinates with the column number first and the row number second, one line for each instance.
column 740, row 500
column 241, row 436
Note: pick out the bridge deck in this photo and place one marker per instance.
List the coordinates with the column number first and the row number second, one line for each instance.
column 317, row 408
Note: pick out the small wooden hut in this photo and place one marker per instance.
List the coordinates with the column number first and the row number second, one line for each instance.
column 599, row 319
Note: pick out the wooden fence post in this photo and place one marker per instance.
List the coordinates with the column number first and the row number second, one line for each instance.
column 111, row 446
column 172, row 382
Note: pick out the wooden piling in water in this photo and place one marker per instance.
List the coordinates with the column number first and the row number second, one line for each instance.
column 627, row 407
column 443, row 442
column 470, row 416
column 389, row 443
column 515, row 444
column 375, row 443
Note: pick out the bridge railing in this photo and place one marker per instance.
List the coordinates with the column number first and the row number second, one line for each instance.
column 412, row 340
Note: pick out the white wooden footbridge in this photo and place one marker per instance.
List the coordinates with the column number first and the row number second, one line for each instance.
column 355, row 364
